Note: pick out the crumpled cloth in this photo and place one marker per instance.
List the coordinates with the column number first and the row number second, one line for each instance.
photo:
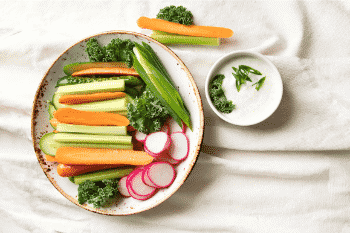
column 290, row 173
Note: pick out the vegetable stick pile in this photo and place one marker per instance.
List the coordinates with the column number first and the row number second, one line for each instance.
column 93, row 140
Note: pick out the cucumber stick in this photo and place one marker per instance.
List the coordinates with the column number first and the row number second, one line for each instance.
column 91, row 138
column 114, row 105
column 87, row 129
column 51, row 109
column 95, row 87
column 101, row 175
column 49, row 146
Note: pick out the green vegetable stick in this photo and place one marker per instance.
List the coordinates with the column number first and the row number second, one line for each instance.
column 162, row 69
column 181, row 39
column 167, row 91
column 88, row 129
column 101, row 175
column 150, row 85
column 163, row 87
column 92, row 138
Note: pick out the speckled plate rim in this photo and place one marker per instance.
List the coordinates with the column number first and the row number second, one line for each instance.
column 197, row 146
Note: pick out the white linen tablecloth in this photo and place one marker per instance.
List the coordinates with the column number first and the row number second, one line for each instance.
column 290, row 173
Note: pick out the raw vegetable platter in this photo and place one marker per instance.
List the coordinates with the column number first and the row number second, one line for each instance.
column 187, row 89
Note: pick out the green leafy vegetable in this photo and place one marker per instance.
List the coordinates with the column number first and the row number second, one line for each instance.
column 259, row 83
column 242, row 75
column 146, row 113
column 116, row 50
column 176, row 14
column 217, row 95
column 99, row 194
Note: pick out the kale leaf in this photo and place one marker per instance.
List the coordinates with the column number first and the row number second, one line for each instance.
column 116, row 50
column 176, row 14
column 217, row 95
column 146, row 113
column 99, row 194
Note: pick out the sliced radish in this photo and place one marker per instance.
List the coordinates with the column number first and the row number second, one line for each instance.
column 137, row 197
column 137, row 186
column 123, row 190
column 130, row 190
column 162, row 174
column 179, row 147
column 157, row 143
column 146, row 179
column 166, row 158
column 139, row 136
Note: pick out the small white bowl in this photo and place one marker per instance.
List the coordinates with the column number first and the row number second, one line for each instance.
column 251, row 106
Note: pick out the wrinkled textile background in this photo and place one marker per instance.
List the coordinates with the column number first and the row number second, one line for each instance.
column 288, row 174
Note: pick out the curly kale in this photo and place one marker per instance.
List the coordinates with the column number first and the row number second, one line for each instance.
column 99, row 194
column 146, row 113
column 116, row 50
column 176, row 14
column 94, row 50
column 217, row 95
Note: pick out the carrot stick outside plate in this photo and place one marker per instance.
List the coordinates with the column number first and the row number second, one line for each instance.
column 192, row 30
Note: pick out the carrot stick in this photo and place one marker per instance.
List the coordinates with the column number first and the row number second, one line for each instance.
column 106, row 71
column 79, row 117
column 74, row 170
column 192, row 30
column 94, row 156
column 50, row 158
column 54, row 122
column 87, row 98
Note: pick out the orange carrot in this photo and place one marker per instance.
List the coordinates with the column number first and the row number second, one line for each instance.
column 50, row 158
column 94, row 156
column 106, row 71
column 192, row 30
column 74, row 170
column 79, row 117
column 87, row 98
column 54, row 122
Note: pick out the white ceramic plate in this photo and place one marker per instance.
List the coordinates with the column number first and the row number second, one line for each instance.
column 252, row 106
column 186, row 86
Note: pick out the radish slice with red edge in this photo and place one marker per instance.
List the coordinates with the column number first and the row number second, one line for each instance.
column 166, row 158
column 137, row 186
column 139, row 136
column 162, row 174
column 130, row 190
column 157, row 143
column 179, row 147
column 146, row 179
column 123, row 190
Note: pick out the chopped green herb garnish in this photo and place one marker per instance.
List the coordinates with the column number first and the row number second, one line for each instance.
column 259, row 83
column 242, row 76
column 217, row 95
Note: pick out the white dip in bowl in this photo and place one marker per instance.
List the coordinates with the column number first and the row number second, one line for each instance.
column 251, row 106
